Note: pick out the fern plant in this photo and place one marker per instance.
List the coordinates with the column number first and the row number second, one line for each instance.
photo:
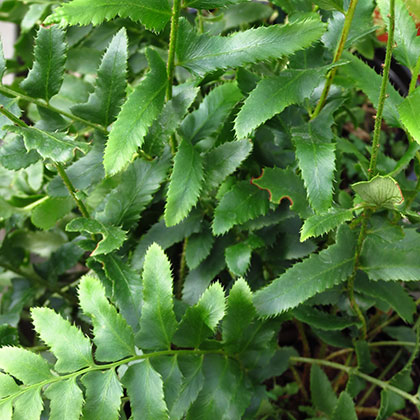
column 197, row 205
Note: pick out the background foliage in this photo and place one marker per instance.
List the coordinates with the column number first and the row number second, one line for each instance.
column 209, row 209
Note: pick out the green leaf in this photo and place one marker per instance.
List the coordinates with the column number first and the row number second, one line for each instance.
column 240, row 312
column 28, row 367
column 323, row 396
column 202, row 54
column 170, row 118
column 322, row 320
column 126, row 287
column 149, row 403
column 200, row 320
column 212, row 113
column 113, row 338
column 6, row 410
column 305, row 279
column 87, row 171
column 29, row 405
column 124, row 205
column 345, row 409
column 185, row 184
column 192, row 384
column 136, row 116
column 166, row 236
column 68, row 344
column 105, row 101
column 46, row 77
column 241, row 203
column 157, row 323
column 66, row 400
column 273, row 94
column 11, row 104
column 46, row 215
column 225, row 393
column 2, row 61
column 8, row 385
column 366, row 79
column 407, row 48
column 391, row 293
column 198, row 248
column 319, row 224
column 211, row 4
column 380, row 191
column 113, row 237
column 409, row 115
column 14, row 156
column 316, row 156
column 103, row 395
column 389, row 261
column 284, row 183
column 153, row 14
column 57, row 146
column 330, row 4
column 238, row 256
column 223, row 160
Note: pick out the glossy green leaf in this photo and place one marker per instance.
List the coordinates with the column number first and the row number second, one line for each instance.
column 14, row 156
column 242, row 203
column 198, row 248
column 153, row 14
column 345, row 409
column 103, row 395
column 66, row 400
column 240, row 312
column 380, row 191
column 366, row 79
column 46, row 215
column 191, row 367
column 136, row 116
column 185, row 184
column 322, row 320
column 313, row 275
column 273, row 94
column 238, row 256
column 284, row 184
column 29, row 405
column 165, row 236
column 408, row 110
column 396, row 260
column 211, row 114
column 149, row 403
column 85, row 172
column 323, row 396
column 113, row 338
column 124, row 205
column 46, row 77
column 202, row 54
column 319, row 224
column 170, row 118
column 28, row 367
column 157, row 323
column 105, row 101
column 391, row 293
column 223, row 160
column 57, row 146
column 113, row 237
column 8, row 385
column 126, row 287
column 67, row 342
column 330, row 4
column 407, row 45
column 200, row 320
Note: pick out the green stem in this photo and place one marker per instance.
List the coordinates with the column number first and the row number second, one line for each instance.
column 338, row 52
column 43, row 104
column 176, row 10
column 382, row 95
column 110, row 366
column 59, row 167
column 352, row 371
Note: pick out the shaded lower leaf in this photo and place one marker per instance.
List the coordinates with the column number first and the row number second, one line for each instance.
column 46, row 215
column 323, row 396
column 345, row 409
